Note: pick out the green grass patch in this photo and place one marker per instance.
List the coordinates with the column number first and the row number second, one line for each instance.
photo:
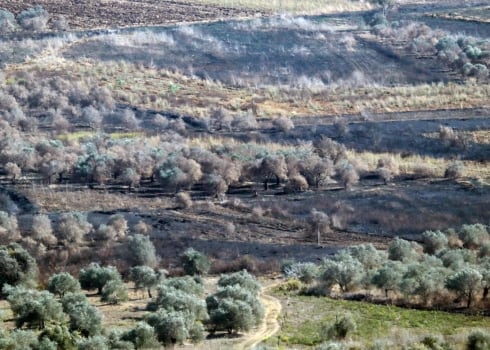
column 80, row 135
column 303, row 316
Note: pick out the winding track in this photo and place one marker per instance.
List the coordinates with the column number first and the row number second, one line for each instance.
column 269, row 327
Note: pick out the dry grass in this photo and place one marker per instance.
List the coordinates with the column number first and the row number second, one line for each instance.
column 291, row 6
column 65, row 198
column 481, row 136
column 473, row 13
column 409, row 165
column 149, row 87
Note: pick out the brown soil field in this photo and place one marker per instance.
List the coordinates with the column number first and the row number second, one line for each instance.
column 89, row 14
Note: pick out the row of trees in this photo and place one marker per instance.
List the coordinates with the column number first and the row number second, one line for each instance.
column 446, row 266
column 178, row 312
column 69, row 232
column 470, row 55
column 27, row 103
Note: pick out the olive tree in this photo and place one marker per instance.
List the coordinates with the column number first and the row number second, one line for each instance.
column 17, row 267
column 114, row 291
column 242, row 278
column 72, row 228
column 195, row 263
column 306, row 272
column 62, row 283
column 85, row 319
column 33, row 308
column 141, row 251
column 42, row 230
column 344, row 271
column 465, row 283
column 96, row 342
column 389, row 276
column 174, row 327
column 233, row 308
column 319, row 223
column 95, row 276
column 434, row 241
column 402, row 250
column 179, row 311
column 146, row 277
column 424, row 279
column 142, row 336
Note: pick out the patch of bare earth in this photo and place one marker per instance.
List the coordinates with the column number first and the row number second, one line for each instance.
column 85, row 14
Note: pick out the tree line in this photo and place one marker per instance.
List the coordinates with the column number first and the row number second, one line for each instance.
column 445, row 269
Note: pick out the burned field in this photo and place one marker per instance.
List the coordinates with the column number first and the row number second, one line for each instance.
column 400, row 124
column 141, row 141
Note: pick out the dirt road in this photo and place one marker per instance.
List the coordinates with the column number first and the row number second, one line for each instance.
column 270, row 325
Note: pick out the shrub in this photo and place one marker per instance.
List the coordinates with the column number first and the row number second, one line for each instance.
column 480, row 70
column 9, row 228
column 340, row 328
column 478, row 340
column 119, row 224
column 454, row 170
column 60, row 23
column 7, row 21
column 57, row 336
column 142, row 336
column 348, row 175
column 114, row 291
column 183, row 200
column 304, row 272
column 296, row 183
column 283, row 124
column 98, row 342
column 13, row 171
column 34, row 18
column 291, row 285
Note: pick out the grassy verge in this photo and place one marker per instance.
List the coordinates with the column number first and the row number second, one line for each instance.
column 79, row 135
column 303, row 316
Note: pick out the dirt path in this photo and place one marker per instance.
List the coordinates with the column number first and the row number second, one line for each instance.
column 270, row 325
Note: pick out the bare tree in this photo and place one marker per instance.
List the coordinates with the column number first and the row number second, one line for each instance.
column 319, row 223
